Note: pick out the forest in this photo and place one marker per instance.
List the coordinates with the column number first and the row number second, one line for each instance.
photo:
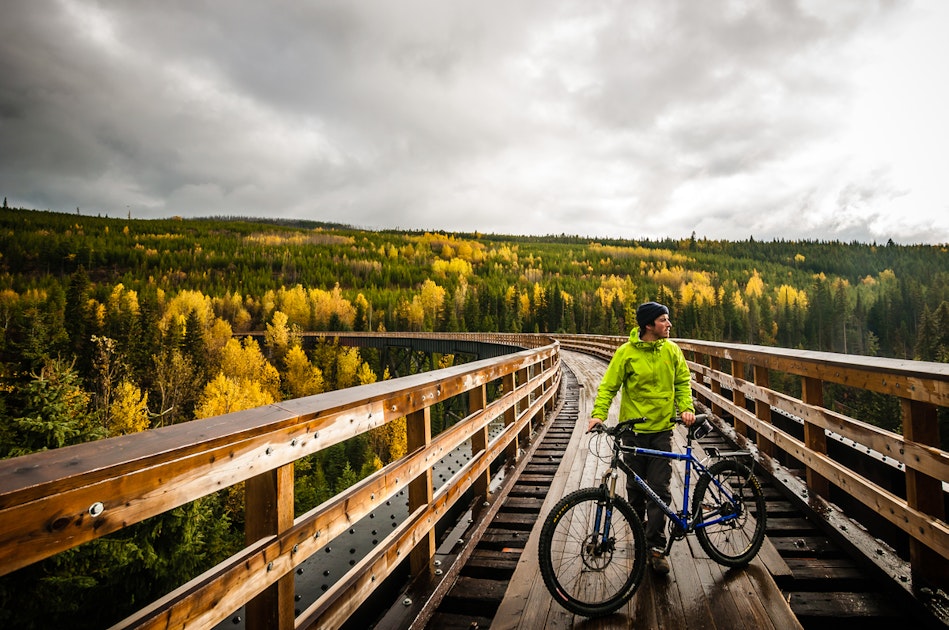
column 114, row 325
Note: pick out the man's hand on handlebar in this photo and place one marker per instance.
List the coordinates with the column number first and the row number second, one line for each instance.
column 593, row 426
column 688, row 417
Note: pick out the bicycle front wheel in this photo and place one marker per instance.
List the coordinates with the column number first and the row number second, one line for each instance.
column 731, row 505
column 592, row 552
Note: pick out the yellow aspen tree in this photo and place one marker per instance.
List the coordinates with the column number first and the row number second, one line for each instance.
column 215, row 339
column 122, row 300
column 302, row 378
column 389, row 442
column 432, row 298
column 755, row 286
column 185, row 303
column 416, row 315
column 225, row 395
column 277, row 337
column 129, row 410
column 246, row 364
column 347, row 367
column 295, row 304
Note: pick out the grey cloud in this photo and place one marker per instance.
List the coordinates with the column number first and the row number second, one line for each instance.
column 594, row 118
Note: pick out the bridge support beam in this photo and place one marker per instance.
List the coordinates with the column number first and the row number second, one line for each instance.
column 268, row 501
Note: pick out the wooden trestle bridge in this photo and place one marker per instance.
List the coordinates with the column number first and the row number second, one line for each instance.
column 857, row 530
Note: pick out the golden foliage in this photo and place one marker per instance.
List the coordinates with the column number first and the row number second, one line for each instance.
column 183, row 304
column 789, row 297
column 245, row 363
column 225, row 395
column 302, row 378
column 755, row 286
column 128, row 411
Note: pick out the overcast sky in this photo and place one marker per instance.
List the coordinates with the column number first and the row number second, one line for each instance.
column 812, row 119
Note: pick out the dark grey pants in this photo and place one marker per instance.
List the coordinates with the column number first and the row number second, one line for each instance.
column 657, row 472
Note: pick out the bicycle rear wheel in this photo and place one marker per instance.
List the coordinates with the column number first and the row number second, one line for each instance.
column 729, row 491
column 584, row 573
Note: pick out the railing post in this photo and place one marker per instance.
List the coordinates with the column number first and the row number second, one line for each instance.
column 738, row 397
column 812, row 393
column 418, row 433
column 715, row 363
column 524, row 436
column 510, row 416
column 477, row 400
column 763, row 410
column 924, row 492
column 522, row 377
column 268, row 510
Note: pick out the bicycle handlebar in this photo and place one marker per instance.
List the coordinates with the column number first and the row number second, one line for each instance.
column 622, row 427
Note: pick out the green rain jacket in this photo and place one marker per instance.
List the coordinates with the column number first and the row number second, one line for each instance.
column 655, row 382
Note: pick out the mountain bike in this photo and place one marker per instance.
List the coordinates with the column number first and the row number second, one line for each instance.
column 593, row 544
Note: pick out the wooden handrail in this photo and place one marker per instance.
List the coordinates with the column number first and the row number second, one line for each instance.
column 923, row 387
column 56, row 500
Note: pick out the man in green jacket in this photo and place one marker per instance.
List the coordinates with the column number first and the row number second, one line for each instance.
column 654, row 378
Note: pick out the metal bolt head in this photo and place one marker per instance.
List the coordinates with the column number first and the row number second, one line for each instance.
column 406, row 602
column 96, row 509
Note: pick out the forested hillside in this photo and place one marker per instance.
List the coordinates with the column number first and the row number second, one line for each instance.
column 116, row 325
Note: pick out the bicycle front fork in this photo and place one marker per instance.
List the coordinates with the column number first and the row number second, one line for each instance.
column 609, row 482
column 600, row 541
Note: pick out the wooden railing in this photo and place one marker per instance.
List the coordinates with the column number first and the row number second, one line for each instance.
column 734, row 380
column 56, row 500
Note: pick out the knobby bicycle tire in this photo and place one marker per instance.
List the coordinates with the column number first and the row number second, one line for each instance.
column 588, row 579
column 733, row 542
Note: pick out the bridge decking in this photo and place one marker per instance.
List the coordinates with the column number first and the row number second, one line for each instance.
column 697, row 593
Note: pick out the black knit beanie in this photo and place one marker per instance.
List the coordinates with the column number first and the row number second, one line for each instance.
column 647, row 313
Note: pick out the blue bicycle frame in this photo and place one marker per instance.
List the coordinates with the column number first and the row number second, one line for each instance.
column 680, row 518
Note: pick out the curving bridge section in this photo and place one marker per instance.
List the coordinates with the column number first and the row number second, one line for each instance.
column 881, row 492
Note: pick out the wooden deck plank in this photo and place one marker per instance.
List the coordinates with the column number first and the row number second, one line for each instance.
column 697, row 593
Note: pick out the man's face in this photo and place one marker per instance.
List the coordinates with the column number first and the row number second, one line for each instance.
column 662, row 327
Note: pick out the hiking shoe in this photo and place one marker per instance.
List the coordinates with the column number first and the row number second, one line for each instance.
column 658, row 562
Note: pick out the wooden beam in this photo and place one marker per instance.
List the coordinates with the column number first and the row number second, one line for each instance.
column 929, row 459
column 510, row 416
column 418, row 427
column 923, row 381
column 268, row 511
column 933, row 532
column 715, row 364
column 763, row 410
column 738, row 397
column 814, row 436
column 477, row 400
column 924, row 493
